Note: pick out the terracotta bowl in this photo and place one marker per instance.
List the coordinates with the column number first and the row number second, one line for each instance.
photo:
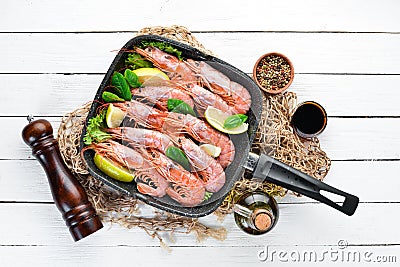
column 291, row 73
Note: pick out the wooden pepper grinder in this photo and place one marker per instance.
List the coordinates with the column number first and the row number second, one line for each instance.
column 68, row 194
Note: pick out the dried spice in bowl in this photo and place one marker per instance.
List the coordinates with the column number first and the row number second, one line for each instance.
column 273, row 72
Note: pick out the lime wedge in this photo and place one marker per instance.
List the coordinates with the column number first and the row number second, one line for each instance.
column 216, row 119
column 111, row 169
column 114, row 116
column 150, row 74
column 211, row 150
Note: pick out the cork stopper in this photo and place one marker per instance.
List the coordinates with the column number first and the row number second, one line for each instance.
column 262, row 220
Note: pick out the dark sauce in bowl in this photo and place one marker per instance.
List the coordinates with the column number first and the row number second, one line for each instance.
column 309, row 119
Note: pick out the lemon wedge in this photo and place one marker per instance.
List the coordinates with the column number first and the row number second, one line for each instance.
column 216, row 119
column 112, row 170
column 211, row 150
column 150, row 74
column 114, row 116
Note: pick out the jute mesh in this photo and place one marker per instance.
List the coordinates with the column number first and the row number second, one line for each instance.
column 274, row 136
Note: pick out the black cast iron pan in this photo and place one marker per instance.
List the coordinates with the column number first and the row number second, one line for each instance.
column 262, row 166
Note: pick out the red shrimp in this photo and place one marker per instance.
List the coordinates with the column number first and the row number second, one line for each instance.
column 143, row 114
column 204, row 133
column 175, row 68
column 204, row 98
column 142, row 137
column 159, row 94
column 209, row 170
column 148, row 180
column 185, row 188
column 175, row 123
column 235, row 94
column 186, row 197
column 190, row 71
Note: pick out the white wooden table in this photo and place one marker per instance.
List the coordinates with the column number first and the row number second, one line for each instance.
column 346, row 55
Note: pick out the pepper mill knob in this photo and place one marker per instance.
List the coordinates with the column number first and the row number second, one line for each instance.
column 68, row 194
column 36, row 131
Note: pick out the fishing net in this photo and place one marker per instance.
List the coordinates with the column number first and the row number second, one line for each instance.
column 274, row 134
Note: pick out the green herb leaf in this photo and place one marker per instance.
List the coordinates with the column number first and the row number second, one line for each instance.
column 184, row 109
column 94, row 132
column 164, row 47
column 173, row 103
column 207, row 196
column 179, row 106
column 110, row 97
column 242, row 117
column 132, row 78
column 136, row 61
column 177, row 155
column 234, row 121
column 121, row 85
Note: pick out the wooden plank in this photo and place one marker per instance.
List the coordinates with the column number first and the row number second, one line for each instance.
column 12, row 140
column 310, row 52
column 350, row 95
column 368, row 16
column 361, row 138
column 343, row 139
column 75, row 255
column 341, row 95
column 299, row 224
column 47, row 94
column 25, row 181
column 20, row 179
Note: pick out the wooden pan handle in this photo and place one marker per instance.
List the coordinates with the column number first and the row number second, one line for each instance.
column 68, row 194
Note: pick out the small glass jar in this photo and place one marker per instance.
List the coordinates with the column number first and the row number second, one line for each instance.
column 309, row 119
column 256, row 212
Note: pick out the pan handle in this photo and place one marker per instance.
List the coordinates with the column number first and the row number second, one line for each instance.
column 281, row 174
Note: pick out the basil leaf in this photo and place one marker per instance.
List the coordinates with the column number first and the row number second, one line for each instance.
column 121, row 86
column 115, row 83
column 184, row 109
column 136, row 61
column 110, row 97
column 132, row 78
column 177, row 155
column 234, row 121
column 173, row 103
column 179, row 106
column 242, row 117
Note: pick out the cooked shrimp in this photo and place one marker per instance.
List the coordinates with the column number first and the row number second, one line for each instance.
column 143, row 114
column 172, row 171
column 190, row 71
column 142, row 137
column 186, row 197
column 209, row 170
column 174, row 123
column 204, row 98
column 148, row 180
column 204, row 133
column 159, row 95
column 232, row 92
column 175, row 68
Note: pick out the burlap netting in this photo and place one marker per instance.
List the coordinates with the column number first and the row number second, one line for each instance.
column 274, row 135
